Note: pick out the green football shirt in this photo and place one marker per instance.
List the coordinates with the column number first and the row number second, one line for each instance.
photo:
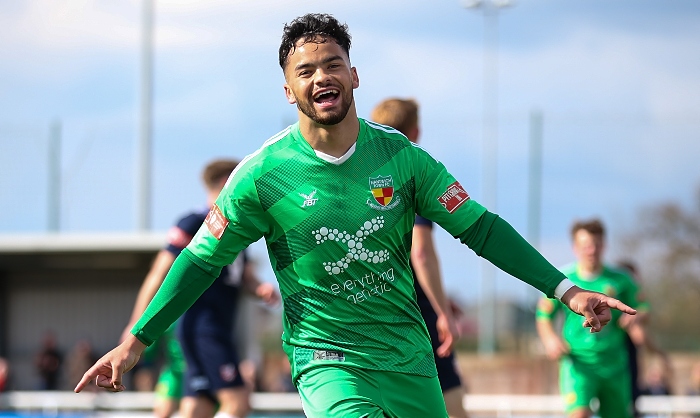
column 339, row 236
column 604, row 349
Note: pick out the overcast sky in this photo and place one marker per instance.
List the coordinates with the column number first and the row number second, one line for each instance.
column 618, row 84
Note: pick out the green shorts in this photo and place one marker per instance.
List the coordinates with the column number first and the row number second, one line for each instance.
column 580, row 383
column 172, row 375
column 169, row 385
column 342, row 392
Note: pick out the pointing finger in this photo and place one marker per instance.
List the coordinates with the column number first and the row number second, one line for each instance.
column 87, row 377
column 616, row 304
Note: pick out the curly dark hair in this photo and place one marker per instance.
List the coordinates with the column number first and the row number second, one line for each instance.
column 313, row 27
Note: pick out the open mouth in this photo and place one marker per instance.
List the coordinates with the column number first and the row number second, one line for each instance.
column 326, row 97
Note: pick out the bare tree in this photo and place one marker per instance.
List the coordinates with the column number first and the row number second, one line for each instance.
column 666, row 245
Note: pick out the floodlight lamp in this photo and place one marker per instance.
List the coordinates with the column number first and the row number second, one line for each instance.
column 471, row 4
column 503, row 3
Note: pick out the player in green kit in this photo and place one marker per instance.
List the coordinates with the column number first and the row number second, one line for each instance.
column 335, row 198
column 169, row 386
column 591, row 365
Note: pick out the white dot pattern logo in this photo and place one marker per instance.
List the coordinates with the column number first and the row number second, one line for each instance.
column 356, row 250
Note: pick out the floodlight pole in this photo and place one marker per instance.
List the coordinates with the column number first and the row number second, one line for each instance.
column 143, row 170
column 54, row 169
column 534, row 212
column 487, row 308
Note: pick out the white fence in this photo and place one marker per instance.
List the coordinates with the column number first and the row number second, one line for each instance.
column 52, row 402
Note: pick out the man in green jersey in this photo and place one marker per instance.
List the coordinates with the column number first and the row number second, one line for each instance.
column 591, row 365
column 335, row 197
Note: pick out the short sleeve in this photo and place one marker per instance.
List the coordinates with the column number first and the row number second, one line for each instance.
column 440, row 197
column 547, row 309
column 234, row 222
column 180, row 234
column 423, row 222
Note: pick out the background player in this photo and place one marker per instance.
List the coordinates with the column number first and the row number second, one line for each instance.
column 591, row 365
column 205, row 331
column 335, row 198
column 402, row 114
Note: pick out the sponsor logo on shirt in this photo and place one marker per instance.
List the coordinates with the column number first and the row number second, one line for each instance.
column 329, row 355
column 363, row 288
column 454, row 197
column 355, row 246
column 309, row 199
column 382, row 189
column 177, row 237
column 216, row 222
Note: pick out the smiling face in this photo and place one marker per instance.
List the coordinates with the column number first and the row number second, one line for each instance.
column 320, row 80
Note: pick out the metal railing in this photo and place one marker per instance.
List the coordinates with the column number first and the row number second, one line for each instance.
column 54, row 402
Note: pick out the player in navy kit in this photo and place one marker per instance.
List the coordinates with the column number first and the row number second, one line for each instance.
column 212, row 379
column 402, row 114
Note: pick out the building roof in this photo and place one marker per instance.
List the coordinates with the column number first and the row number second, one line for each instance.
column 62, row 242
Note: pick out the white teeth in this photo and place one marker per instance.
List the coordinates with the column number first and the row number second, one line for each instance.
column 316, row 96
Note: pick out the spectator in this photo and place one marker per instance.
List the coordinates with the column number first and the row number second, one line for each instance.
column 657, row 381
column 694, row 389
column 80, row 357
column 275, row 375
column 48, row 362
column 4, row 374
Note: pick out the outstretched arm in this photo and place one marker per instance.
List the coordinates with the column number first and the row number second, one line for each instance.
column 188, row 278
column 427, row 268
column 151, row 283
column 495, row 240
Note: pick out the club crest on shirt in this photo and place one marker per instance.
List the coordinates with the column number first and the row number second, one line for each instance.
column 382, row 189
column 227, row 372
column 610, row 290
